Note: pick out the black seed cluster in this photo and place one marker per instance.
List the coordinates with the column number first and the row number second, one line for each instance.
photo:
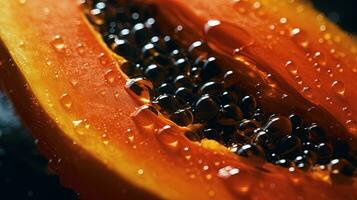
column 189, row 87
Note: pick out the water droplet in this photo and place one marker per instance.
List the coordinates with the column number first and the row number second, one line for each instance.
column 143, row 116
column 291, row 67
column 227, row 172
column 167, row 138
column 299, row 37
column 66, row 101
column 48, row 62
column 347, row 111
column 317, row 83
column 269, row 79
column 283, row 20
column 140, row 172
column 80, row 48
column 96, row 16
column 307, row 92
column 102, row 59
column 226, row 37
column 241, row 6
column 21, row 44
column 298, row 79
column 338, row 87
column 140, row 87
column 320, row 58
column 322, row 27
column 58, row 43
column 74, row 82
column 351, row 126
column 80, row 126
column 111, row 77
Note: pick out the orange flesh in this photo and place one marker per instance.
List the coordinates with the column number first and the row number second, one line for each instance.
column 80, row 88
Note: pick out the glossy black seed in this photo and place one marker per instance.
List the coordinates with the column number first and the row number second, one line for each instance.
column 289, row 147
column 170, row 43
column 197, row 49
column 310, row 156
column 249, row 150
column 278, row 127
column 150, row 23
column 123, row 48
column 158, row 59
column 248, row 105
column 183, row 81
column 309, row 146
column 183, row 66
column 182, row 117
column 156, row 73
column 265, row 140
column 341, row 166
column 166, row 88
column 185, row 94
column 139, row 85
column 167, row 102
column 135, row 17
column 324, row 152
column 110, row 38
column 212, row 134
column 341, row 148
column 212, row 88
column 284, row 163
column 129, row 69
column 229, row 115
column 302, row 162
column 259, row 117
column 248, row 127
column 141, row 33
column 125, row 34
column 296, row 121
column 205, row 108
column 302, row 133
column 195, row 73
column 317, row 133
column 210, row 68
column 248, row 124
column 228, row 97
column 176, row 54
column 229, row 78
column 199, row 62
column 149, row 50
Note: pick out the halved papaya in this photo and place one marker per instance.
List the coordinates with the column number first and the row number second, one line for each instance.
column 106, row 144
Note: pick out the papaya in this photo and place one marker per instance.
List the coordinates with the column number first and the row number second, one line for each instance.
column 155, row 99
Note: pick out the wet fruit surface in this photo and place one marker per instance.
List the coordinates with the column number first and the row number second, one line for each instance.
column 190, row 87
column 104, row 117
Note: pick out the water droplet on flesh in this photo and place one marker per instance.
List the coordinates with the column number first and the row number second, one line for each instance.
column 226, row 37
column 66, row 101
column 58, row 43
column 338, row 87
column 291, row 67
column 167, row 138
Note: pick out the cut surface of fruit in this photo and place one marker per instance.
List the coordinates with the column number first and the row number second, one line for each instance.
column 96, row 123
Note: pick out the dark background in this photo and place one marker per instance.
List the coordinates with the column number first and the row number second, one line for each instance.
column 23, row 171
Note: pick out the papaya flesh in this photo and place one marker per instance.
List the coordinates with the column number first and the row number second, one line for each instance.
column 67, row 86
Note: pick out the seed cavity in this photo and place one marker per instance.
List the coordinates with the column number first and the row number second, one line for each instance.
column 187, row 84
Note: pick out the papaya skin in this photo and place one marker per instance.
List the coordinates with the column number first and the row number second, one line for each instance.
column 114, row 157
